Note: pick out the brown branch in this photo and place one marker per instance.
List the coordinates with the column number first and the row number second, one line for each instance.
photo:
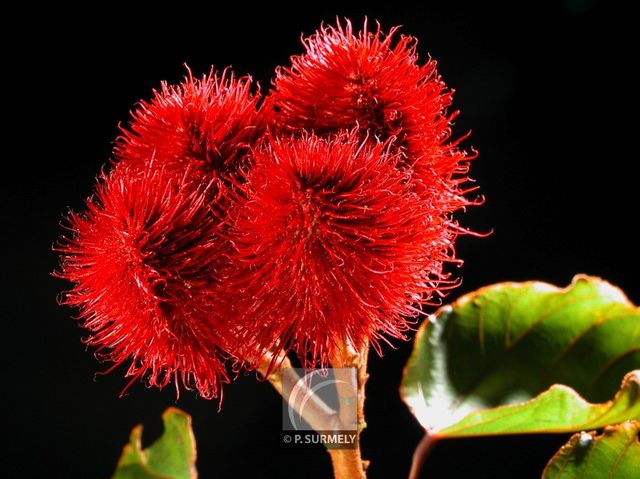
column 421, row 453
column 315, row 411
column 348, row 463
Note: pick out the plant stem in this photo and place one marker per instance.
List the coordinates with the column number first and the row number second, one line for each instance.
column 421, row 453
column 347, row 463
column 316, row 412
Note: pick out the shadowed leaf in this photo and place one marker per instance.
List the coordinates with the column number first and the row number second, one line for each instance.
column 615, row 454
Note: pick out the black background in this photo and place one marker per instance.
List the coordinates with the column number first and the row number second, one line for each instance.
column 546, row 89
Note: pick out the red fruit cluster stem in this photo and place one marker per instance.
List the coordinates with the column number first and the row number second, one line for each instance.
column 347, row 463
column 316, row 412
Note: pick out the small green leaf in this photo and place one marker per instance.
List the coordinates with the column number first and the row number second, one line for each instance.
column 478, row 363
column 172, row 456
column 615, row 454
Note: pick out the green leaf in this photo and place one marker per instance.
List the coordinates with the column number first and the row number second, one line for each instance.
column 477, row 364
column 172, row 456
column 559, row 409
column 615, row 454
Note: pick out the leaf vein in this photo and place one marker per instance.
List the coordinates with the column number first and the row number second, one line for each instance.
column 616, row 464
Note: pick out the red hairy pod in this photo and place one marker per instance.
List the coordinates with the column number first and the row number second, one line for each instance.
column 332, row 246
column 205, row 124
column 143, row 259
